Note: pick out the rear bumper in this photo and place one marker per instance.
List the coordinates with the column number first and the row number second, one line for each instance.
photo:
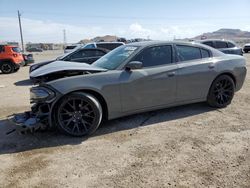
column 246, row 48
column 241, row 75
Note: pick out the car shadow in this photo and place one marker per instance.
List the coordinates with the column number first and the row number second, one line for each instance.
column 26, row 82
column 14, row 142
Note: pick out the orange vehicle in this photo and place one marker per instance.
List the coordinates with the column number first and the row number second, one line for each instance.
column 10, row 59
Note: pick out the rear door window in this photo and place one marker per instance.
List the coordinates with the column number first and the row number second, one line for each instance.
column 187, row 53
column 209, row 43
column 99, row 53
column 220, row 44
column 230, row 45
column 83, row 54
column 205, row 53
column 155, row 56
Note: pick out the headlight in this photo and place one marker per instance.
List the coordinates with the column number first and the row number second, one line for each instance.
column 41, row 94
column 33, row 67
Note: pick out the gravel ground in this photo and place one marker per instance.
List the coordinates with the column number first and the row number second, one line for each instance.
column 187, row 146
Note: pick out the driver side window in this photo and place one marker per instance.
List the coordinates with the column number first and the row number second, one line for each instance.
column 155, row 56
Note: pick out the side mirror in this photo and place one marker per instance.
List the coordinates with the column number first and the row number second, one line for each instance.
column 133, row 65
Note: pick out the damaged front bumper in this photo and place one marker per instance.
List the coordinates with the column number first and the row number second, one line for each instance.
column 39, row 118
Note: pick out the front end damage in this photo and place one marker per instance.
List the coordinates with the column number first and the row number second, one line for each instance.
column 39, row 117
column 43, row 97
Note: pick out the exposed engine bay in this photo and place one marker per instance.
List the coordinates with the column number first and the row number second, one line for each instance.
column 58, row 75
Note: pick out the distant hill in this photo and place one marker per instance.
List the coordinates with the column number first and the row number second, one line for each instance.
column 106, row 38
column 232, row 34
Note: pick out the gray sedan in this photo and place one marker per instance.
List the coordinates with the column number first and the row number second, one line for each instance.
column 131, row 79
column 225, row 46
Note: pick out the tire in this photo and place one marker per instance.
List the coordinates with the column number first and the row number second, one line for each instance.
column 7, row 68
column 221, row 92
column 78, row 114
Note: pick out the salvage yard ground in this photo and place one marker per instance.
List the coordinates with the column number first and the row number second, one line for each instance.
column 187, row 146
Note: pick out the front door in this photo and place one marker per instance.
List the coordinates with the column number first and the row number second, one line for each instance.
column 153, row 85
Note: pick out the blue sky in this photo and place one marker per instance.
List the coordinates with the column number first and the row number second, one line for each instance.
column 43, row 21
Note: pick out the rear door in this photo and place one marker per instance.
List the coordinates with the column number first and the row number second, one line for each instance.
column 195, row 74
column 153, row 85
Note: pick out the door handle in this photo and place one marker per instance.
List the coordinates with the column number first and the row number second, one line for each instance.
column 171, row 74
column 211, row 66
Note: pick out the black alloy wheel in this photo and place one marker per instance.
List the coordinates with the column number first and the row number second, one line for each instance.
column 221, row 92
column 79, row 114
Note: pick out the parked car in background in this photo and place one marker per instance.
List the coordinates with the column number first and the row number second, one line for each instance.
column 225, row 46
column 34, row 50
column 10, row 59
column 81, row 55
column 133, row 78
column 105, row 45
column 28, row 59
column 246, row 48
column 70, row 48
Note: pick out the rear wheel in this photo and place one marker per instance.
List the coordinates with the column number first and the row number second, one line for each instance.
column 78, row 114
column 221, row 92
column 7, row 68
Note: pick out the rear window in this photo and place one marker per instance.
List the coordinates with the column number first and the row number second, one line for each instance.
column 16, row 49
column 220, row 44
column 186, row 53
column 109, row 46
column 230, row 45
column 89, row 46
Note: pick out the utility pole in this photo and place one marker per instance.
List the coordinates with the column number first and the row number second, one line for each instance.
column 64, row 38
column 20, row 27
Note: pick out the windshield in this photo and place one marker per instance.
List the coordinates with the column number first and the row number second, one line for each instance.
column 115, row 58
column 16, row 49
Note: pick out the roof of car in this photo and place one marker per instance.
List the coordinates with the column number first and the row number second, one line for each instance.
column 193, row 43
column 222, row 40
column 149, row 43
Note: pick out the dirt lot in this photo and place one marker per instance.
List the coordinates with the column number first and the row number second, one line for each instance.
column 188, row 146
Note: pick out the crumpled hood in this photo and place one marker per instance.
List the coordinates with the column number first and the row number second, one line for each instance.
column 58, row 66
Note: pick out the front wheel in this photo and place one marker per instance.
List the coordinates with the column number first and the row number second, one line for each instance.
column 78, row 114
column 221, row 92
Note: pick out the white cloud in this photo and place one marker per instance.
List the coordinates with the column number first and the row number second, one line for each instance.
column 49, row 31
column 44, row 31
